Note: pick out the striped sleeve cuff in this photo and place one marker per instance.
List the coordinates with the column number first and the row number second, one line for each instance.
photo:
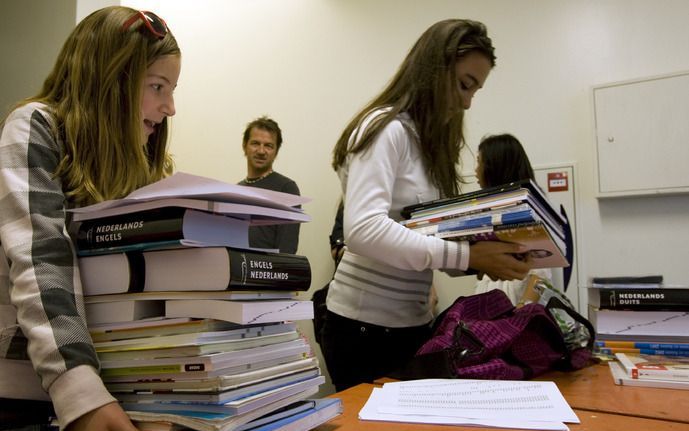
column 464, row 251
column 455, row 255
column 77, row 392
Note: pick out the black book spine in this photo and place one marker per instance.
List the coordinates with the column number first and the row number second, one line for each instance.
column 254, row 270
column 187, row 270
column 410, row 209
column 645, row 279
column 160, row 224
column 657, row 299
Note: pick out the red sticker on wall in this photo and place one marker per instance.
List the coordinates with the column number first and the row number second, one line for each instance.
column 558, row 182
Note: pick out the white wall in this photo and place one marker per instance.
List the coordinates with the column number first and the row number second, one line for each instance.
column 312, row 63
column 85, row 7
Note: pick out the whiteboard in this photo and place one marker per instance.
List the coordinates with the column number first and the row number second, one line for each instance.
column 642, row 136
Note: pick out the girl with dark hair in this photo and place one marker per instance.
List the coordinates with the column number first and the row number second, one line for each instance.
column 501, row 159
column 401, row 149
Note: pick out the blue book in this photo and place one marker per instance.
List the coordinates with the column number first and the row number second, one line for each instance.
column 674, row 353
column 231, row 408
column 223, row 420
column 287, row 411
column 643, row 345
column 489, row 219
column 323, row 410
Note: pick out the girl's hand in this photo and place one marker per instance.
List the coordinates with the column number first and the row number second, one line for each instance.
column 500, row 260
column 109, row 417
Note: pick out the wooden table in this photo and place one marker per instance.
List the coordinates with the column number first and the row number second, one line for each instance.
column 593, row 388
column 598, row 402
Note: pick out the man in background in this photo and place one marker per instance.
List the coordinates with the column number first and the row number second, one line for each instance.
column 261, row 144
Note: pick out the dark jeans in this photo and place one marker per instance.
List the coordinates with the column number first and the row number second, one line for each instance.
column 25, row 415
column 358, row 352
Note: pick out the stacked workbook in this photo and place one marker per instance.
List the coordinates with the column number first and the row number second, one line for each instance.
column 195, row 330
column 517, row 212
column 641, row 326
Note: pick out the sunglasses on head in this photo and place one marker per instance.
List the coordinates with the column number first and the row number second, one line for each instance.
column 152, row 22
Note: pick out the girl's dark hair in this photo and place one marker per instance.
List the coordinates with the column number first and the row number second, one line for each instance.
column 504, row 160
column 425, row 87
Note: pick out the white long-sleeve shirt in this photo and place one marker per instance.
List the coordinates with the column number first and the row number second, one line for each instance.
column 387, row 270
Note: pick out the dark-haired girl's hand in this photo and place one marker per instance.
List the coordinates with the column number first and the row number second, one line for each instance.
column 500, row 260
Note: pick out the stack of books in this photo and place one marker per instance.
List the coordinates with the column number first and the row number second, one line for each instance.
column 640, row 320
column 193, row 329
column 517, row 212
column 656, row 371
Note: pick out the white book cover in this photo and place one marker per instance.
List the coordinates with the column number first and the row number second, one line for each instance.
column 639, row 323
column 258, row 215
column 641, row 366
column 217, row 383
column 237, row 393
column 167, row 373
column 194, row 348
column 244, row 312
column 188, row 186
column 235, row 295
column 208, row 362
column 122, row 311
column 620, row 376
column 138, row 331
column 238, row 333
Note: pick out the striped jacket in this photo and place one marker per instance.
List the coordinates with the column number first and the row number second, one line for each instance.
column 41, row 304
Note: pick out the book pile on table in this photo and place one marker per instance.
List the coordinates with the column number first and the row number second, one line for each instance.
column 193, row 329
column 641, row 325
column 517, row 212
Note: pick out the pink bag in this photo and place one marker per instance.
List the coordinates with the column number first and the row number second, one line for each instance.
column 485, row 337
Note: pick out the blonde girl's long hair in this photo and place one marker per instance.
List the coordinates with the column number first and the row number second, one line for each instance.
column 425, row 87
column 95, row 91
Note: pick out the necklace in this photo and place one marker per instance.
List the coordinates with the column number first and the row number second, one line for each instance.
column 253, row 180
